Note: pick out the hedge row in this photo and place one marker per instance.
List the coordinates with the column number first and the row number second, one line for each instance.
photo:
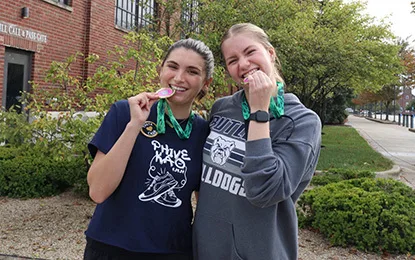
column 375, row 215
column 29, row 174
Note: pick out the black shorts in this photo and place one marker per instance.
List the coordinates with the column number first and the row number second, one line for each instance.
column 95, row 250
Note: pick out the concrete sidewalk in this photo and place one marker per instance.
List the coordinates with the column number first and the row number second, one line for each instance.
column 394, row 142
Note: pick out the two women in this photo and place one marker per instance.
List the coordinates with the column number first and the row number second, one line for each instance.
column 259, row 157
column 147, row 162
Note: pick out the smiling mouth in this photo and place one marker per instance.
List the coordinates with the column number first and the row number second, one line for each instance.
column 179, row 89
column 249, row 73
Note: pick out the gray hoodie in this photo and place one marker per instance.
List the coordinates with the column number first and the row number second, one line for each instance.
column 246, row 207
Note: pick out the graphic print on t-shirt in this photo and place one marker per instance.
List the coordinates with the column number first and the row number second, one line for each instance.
column 167, row 174
column 223, row 155
column 221, row 150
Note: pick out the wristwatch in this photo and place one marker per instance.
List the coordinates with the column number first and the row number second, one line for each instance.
column 259, row 116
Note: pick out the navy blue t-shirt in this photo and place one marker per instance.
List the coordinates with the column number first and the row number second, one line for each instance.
column 150, row 211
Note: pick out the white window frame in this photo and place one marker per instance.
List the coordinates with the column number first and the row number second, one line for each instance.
column 133, row 14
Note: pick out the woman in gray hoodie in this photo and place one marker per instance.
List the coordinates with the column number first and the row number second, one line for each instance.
column 261, row 154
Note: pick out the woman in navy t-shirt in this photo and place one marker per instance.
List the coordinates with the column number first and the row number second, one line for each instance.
column 147, row 162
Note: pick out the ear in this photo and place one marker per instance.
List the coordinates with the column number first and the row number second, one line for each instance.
column 207, row 83
column 272, row 54
column 205, row 86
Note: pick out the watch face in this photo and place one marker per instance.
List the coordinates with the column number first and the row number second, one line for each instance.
column 262, row 116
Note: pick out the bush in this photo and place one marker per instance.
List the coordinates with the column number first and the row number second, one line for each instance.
column 14, row 127
column 371, row 214
column 336, row 105
column 336, row 175
column 30, row 174
column 7, row 153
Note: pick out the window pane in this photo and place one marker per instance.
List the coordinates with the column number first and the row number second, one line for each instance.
column 134, row 13
column 65, row 2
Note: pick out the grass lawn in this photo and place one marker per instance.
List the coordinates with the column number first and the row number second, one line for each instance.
column 343, row 147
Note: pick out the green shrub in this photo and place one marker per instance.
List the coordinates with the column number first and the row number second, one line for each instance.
column 7, row 153
column 30, row 174
column 336, row 175
column 374, row 215
column 14, row 127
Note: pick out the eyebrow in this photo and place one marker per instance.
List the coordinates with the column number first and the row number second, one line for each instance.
column 245, row 50
column 189, row 67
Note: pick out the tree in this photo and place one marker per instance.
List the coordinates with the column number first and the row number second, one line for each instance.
column 365, row 98
column 324, row 46
column 341, row 49
column 408, row 61
column 387, row 94
column 411, row 106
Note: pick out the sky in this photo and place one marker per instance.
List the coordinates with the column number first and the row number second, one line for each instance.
column 397, row 12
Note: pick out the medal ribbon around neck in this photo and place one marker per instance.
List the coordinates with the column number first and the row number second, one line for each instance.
column 277, row 109
column 161, row 124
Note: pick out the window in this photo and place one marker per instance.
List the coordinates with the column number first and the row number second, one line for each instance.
column 132, row 14
column 190, row 17
column 65, row 2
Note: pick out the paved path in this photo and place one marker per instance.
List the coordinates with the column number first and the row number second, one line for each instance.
column 392, row 141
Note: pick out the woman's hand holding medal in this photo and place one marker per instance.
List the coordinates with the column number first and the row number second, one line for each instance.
column 140, row 105
column 260, row 90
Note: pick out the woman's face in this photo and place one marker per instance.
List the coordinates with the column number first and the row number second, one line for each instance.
column 184, row 71
column 245, row 55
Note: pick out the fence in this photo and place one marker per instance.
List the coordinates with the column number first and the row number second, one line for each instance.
column 406, row 120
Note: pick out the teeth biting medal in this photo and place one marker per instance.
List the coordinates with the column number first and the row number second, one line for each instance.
column 165, row 92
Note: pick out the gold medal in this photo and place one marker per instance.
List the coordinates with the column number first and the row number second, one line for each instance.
column 149, row 129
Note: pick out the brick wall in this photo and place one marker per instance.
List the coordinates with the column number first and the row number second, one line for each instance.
column 2, row 49
column 403, row 101
column 86, row 27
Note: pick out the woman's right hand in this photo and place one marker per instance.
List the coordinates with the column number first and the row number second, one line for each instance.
column 140, row 106
column 260, row 90
column 107, row 170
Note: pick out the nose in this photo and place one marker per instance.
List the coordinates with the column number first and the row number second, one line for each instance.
column 178, row 76
column 244, row 62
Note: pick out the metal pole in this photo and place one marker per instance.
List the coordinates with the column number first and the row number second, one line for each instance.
column 394, row 102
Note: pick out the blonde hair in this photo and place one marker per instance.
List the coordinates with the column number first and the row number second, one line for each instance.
column 260, row 36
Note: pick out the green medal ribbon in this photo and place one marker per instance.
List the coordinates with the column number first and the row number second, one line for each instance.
column 161, row 125
column 277, row 109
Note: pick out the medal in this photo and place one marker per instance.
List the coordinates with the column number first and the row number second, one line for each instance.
column 165, row 92
column 149, row 129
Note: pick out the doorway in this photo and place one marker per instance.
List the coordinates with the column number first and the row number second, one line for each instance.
column 17, row 68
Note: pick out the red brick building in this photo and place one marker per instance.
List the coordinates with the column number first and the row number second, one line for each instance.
column 406, row 98
column 33, row 33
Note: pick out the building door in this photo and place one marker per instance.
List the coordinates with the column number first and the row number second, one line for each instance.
column 17, row 67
